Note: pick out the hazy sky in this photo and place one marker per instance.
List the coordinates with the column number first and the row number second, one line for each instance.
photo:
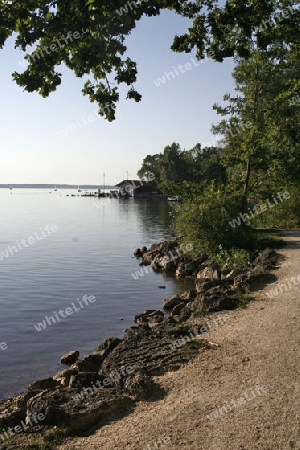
column 34, row 148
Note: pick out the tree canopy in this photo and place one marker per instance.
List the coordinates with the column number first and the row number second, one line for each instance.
column 88, row 36
column 177, row 169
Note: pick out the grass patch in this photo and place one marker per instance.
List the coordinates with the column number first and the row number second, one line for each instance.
column 243, row 298
column 194, row 346
column 48, row 440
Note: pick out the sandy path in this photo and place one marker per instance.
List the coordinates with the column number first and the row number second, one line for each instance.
column 259, row 346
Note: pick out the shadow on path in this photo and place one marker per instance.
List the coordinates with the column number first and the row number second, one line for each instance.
column 292, row 238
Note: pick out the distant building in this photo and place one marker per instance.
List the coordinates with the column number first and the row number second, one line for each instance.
column 138, row 188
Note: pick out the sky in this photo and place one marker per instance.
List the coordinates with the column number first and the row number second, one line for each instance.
column 38, row 143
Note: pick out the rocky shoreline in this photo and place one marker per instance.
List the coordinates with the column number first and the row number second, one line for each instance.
column 120, row 372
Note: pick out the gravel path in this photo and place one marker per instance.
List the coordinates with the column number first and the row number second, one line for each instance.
column 242, row 394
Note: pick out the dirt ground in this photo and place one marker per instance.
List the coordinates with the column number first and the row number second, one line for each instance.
column 242, row 394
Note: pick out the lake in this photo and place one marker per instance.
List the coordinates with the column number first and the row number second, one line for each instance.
column 58, row 251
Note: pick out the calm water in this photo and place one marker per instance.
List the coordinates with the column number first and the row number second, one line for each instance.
column 91, row 253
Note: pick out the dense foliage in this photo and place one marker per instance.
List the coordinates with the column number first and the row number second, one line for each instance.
column 177, row 170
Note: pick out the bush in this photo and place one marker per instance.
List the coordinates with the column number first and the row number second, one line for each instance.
column 283, row 215
column 232, row 259
column 204, row 223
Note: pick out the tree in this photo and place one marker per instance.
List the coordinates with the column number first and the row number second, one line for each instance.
column 261, row 137
column 179, row 170
column 88, row 36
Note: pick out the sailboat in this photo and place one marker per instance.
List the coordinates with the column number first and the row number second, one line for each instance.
column 55, row 188
column 10, row 188
column 79, row 190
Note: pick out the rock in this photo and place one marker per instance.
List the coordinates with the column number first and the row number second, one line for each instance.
column 203, row 285
column 258, row 275
column 176, row 310
column 170, row 302
column 90, row 363
column 64, row 377
column 144, row 250
column 230, row 276
column 70, row 358
column 155, row 264
column 42, row 385
column 166, row 263
column 61, row 407
column 150, row 318
column 84, row 380
column 181, row 271
column 210, row 272
column 188, row 296
column 109, row 344
column 140, row 385
column 216, row 298
column 191, row 266
column 138, row 253
column 154, row 321
column 184, row 314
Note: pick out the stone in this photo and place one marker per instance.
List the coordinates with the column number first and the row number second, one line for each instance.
column 140, row 385
column 109, row 344
column 176, row 310
column 42, row 385
column 84, row 380
column 210, row 272
column 70, row 358
column 90, row 363
column 181, row 271
column 184, row 314
column 172, row 301
column 188, row 296
column 216, row 298
column 64, row 377
column 149, row 318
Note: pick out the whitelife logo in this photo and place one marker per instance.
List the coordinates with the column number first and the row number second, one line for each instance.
column 64, row 313
column 259, row 209
column 30, row 422
column 109, row 381
column 242, row 400
column 168, row 76
column 38, row 236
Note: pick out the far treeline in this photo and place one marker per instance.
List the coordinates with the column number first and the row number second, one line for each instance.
column 251, row 179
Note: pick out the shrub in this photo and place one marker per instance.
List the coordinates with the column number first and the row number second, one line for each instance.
column 204, row 222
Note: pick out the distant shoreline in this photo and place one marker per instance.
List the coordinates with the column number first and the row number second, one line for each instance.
column 58, row 186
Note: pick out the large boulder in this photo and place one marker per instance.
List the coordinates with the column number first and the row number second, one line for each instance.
column 216, row 298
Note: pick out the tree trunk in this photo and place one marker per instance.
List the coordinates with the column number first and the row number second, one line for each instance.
column 246, row 184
